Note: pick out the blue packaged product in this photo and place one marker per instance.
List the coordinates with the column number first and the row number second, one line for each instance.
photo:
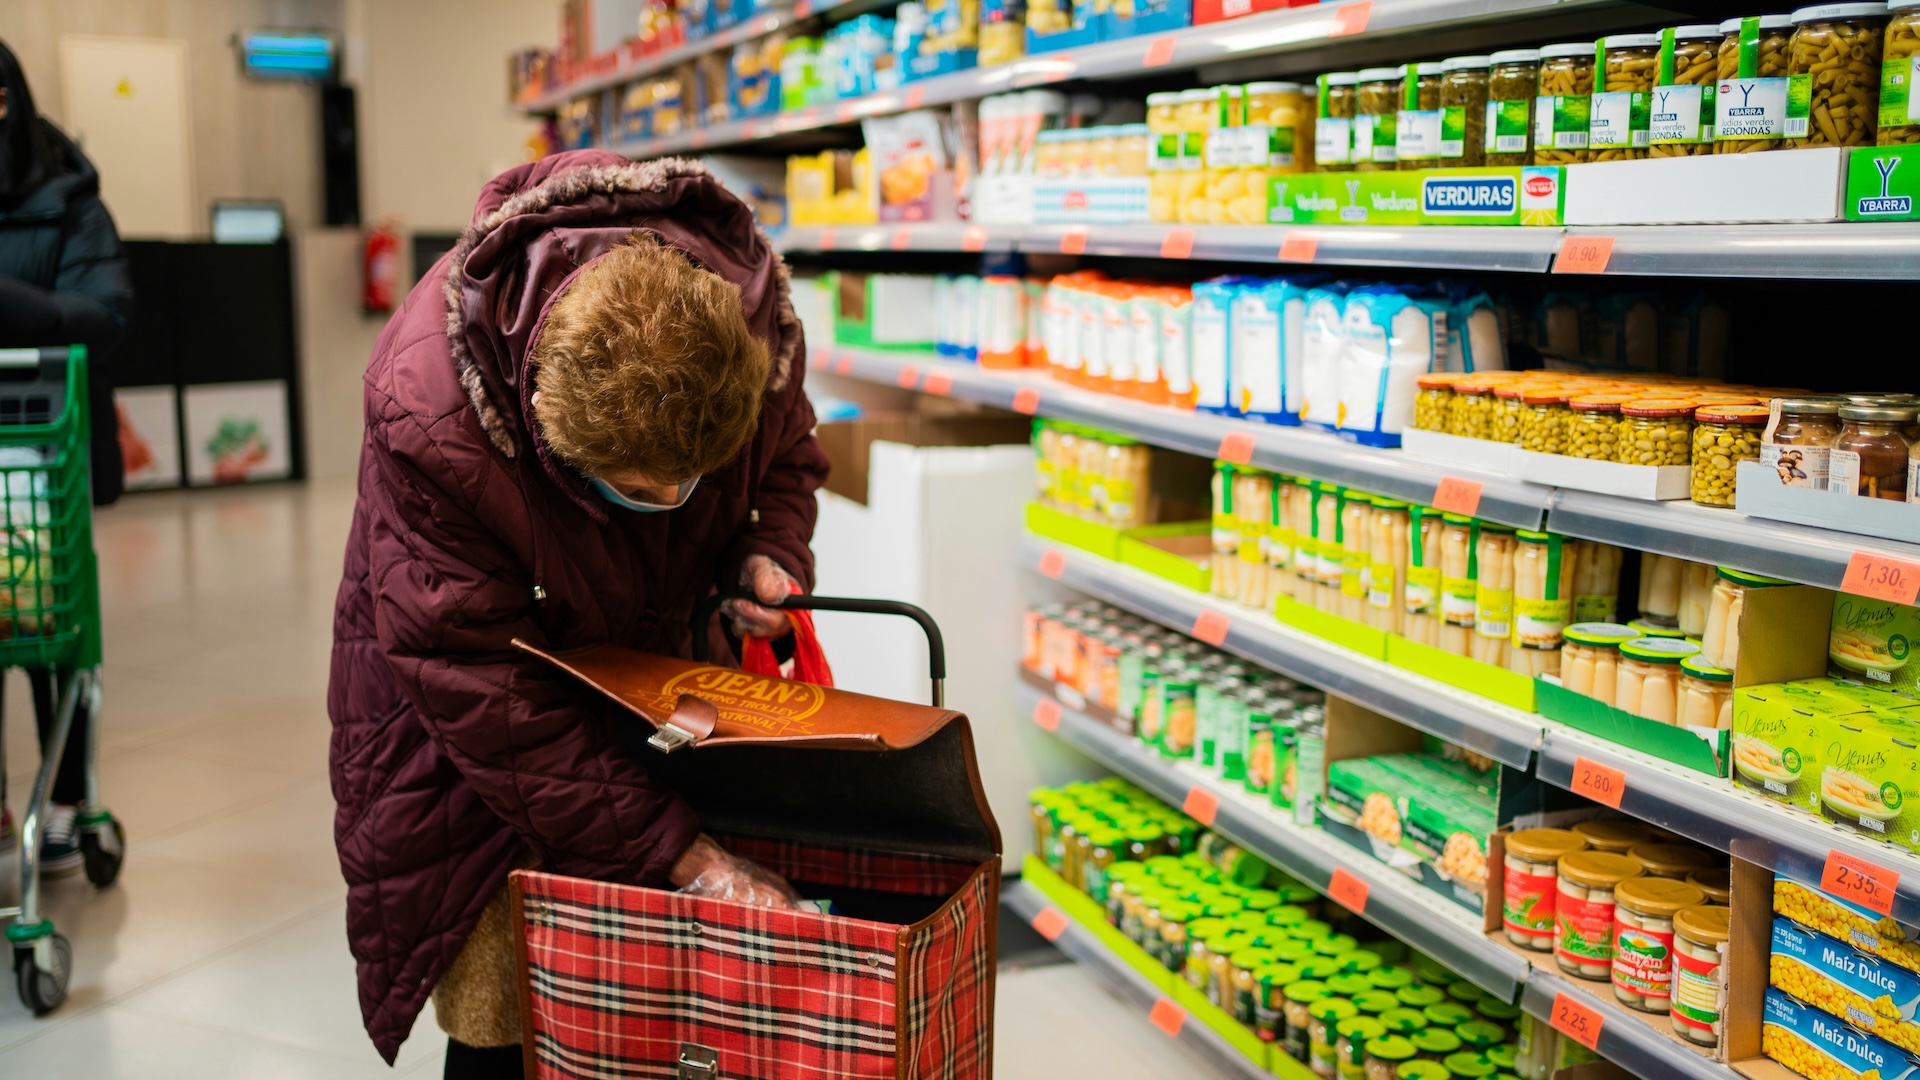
column 1320, row 346
column 1474, row 341
column 1813, row 1043
column 1390, row 336
column 1210, row 340
column 1253, row 352
column 1288, row 296
column 1875, row 995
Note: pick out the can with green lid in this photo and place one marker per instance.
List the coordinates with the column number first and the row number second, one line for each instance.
column 1500, row 1012
column 1312, row 929
column 1447, row 1014
column 1435, row 1043
column 1480, row 1034
column 1469, row 1065
column 1403, row 1021
column 1324, row 1017
column 1171, row 933
column 1241, row 996
column 1299, row 999
column 1422, row 1069
column 1292, row 950
column 1350, row 1042
column 1385, row 1055
column 1390, row 977
column 1273, row 980
column 1319, row 967
column 1503, row 1055
column 1335, row 944
column 1286, row 915
column 1420, row 996
column 1374, row 1002
column 1348, row 984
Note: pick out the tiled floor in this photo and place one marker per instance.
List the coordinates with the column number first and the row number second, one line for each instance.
column 221, row 951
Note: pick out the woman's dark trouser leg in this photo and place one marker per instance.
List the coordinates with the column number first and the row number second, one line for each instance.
column 483, row 1062
column 70, row 783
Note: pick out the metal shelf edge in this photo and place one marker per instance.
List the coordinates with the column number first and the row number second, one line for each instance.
column 1398, row 906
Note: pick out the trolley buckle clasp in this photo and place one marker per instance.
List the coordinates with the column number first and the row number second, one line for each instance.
column 693, row 719
column 669, row 738
column 698, row 1062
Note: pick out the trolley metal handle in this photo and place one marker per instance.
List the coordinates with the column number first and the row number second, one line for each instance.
column 936, row 645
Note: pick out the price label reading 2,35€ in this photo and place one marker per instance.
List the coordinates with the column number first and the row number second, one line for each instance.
column 1860, row 882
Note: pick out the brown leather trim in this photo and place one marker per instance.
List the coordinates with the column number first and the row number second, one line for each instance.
column 517, row 902
column 695, row 715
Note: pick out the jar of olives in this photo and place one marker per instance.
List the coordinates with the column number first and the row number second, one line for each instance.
column 1593, row 426
column 1684, row 92
column 1899, row 107
column 1656, row 431
column 1417, row 127
column 1463, row 111
column 1618, row 118
column 1376, row 117
column 1544, row 420
column 1835, row 49
column 1436, row 392
column 1333, row 121
column 1752, row 114
column 1470, row 413
column 1506, row 411
column 1562, row 103
column 1513, row 78
column 1723, row 436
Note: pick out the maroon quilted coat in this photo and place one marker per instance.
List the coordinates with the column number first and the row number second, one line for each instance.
column 452, row 753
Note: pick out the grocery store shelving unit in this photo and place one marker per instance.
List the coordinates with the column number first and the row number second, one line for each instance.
column 1080, row 946
column 1723, row 537
column 1626, row 1037
column 1396, row 904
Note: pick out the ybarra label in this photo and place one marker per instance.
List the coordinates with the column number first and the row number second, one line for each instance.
column 1477, row 196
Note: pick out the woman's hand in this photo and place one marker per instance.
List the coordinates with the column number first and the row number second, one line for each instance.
column 772, row 585
column 707, row 869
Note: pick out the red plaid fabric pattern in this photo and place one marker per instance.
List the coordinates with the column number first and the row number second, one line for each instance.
column 619, row 977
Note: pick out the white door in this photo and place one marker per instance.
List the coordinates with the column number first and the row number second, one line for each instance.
column 126, row 105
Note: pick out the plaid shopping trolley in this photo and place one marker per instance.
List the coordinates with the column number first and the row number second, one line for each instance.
column 873, row 805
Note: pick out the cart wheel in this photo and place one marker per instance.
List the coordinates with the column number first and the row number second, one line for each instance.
column 104, row 848
column 42, row 990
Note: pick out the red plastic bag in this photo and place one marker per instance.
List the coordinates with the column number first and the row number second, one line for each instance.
column 809, row 660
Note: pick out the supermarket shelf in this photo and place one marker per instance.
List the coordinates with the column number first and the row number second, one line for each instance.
column 1626, row 1039
column 1503, row 733
column 1853, row 251
column 1714, row 812
column 929, row 236
column 1396, row 904
column 1292, row 450
column 1128, row 985
column 1722, row 537
column 1248, row 37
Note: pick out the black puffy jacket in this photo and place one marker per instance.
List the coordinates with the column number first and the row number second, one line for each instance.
column 63, row 281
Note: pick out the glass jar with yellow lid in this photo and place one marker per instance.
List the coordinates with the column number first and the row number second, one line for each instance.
column 1469, row 1065
column 1299, row 999
column 1656, row 431
column 1706, row 695
column 1583, row 911
column 1648, row 684
column 1531, row 875
column 1199, row 115
column 1590, row 659
column 1593, row 426
column 1278, row 111
column 1715, row 881
column 1268, row 1018
column 1131, row 143
column 1643, row 940
column 1674, row 861
column 1226, row 161
column 1385, row 1054
column 1241, row 997
column 1163, row 156
column 1403, row 1021
column 1434, row 1043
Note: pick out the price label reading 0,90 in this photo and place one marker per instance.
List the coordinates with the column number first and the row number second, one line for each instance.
column 1881, row 577
column 1598, row 782
column 1860, row 882
column 1577, row 1020
column 1584, row 255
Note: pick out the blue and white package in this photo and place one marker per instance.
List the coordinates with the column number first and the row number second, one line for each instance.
column 1474, row 340
column 1253, row 353
column 1320, row 342
column 1288, row 296
column 1208, row 337
column 1390, row 336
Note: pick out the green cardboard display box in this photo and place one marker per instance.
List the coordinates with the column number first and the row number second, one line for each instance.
column 1526, row 195
column 1497, row 684
column 1359, row 637
column 1676, row 744
column 1181, row 552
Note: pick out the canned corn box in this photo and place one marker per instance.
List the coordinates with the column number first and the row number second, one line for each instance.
column 1526, row 195
column 1865, row 930
column 1819, row 1047
column 1872, row 994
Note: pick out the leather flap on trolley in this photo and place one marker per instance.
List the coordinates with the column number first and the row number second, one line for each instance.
column 759, row 755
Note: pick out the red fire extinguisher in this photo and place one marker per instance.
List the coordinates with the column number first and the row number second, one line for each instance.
column 380, row 267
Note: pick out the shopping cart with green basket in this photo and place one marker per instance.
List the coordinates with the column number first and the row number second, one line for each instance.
column 50, row 618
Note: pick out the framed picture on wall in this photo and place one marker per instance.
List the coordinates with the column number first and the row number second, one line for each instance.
column 237, row 433
column 149, row 435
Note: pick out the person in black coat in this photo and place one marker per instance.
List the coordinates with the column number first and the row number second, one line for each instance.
column 63, row 281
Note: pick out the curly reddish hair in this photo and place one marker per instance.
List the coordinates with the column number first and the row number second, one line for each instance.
column 646, row 364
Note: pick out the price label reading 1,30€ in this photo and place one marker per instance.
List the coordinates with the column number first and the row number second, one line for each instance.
column 1881, row 577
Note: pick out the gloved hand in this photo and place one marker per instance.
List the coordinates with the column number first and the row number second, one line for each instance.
column 771, row 584
column 707, row 869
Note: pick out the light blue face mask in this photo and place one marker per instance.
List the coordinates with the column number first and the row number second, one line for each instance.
column 609, row 493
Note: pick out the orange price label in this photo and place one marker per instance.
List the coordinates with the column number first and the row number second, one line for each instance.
column 844, row 113
column 1584, row 255
column 1211, row 627
column 1053, row 562
column 1046, row 713
column 1352, row 19
column 974, row 239
column 1299, row 247
column 1880, row 577
column 803, row 9
column 1860, row 882
column 909, row 377
column 1074, row 241
column 1026, row 400
column 828, row 238
column 821, row 358
column 1177, row 244
column 699, row 138
column 1457, row 496
column 1577, row 1020
column 845, row 366
column 1598, row 782
column 1237, row 447
column 902, row 239
column 1159, row 52
column 1348, row 891
column 1201, row 805
column 939, row 382
column 916, row 95
column 1050, row 923
column 1168, row 1017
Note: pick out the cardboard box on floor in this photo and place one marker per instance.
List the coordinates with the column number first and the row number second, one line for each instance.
column 848, row 443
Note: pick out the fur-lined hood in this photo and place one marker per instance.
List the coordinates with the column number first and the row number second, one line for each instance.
column 536, row 226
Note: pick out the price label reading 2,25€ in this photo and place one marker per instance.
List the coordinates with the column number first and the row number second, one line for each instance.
column 1577, row 1020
